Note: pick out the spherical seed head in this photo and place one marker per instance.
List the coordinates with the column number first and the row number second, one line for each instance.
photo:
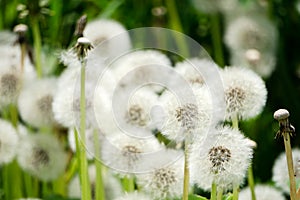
column 20, row 28
column 281, row 114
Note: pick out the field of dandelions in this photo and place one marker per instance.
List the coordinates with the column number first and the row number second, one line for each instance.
column 149, row 100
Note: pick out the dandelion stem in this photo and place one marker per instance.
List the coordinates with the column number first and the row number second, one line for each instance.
column 219, row 194
column 100, row 192
column 251, row 182
column 216, row 39
column 128, row 184
column 15, row 175
column 37, row 43
column 23, row 53
column 213, row 194
column 235, row 122
column 84, row 178
column 175, row 24
column 289, row 158
column 186, row 180
column 28, row 185
column 235, row 195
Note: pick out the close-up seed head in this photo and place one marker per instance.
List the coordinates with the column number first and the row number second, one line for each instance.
column 219, row 156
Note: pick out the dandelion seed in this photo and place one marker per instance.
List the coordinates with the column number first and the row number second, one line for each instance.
column 223, row 159
column 8, row 142
column 263, row 192
column 42, row 156
column 245, row 93
column 35, row 102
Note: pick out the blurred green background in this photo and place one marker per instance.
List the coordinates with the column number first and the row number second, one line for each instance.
column 57, row 20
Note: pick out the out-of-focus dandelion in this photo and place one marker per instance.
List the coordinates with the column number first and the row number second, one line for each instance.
column 42, row 155
column 164, row 181
column 263, row 192
column 9, row 142
column 112, row 186
column 133, row 196
column 35, row 102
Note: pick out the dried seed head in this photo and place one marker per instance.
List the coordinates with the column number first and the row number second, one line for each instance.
column 41, row 156
column 164, row 178
column 253, row 56
column 20, row 29
column 82, row 47
column 45, row 104
column 131, row 153
column 281, row 114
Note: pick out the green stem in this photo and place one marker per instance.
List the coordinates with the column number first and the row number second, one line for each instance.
column 100, row 192
column 235, row 195
column 13, row 115
column 84, row 178
column 28, row 184
column 289, row 158
column 128, row 184
column 217, row 39
column 220, row 194
column 37, row 43
column 251, row 182
column 73, row 167
column 6, row 184
column 175, row 24
column 16, row 181
column 235, row 122
column 213, row 194
column 186, row 180
column 59, row 186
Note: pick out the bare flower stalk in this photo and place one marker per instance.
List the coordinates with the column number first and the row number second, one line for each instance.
column 286, row 130
column 21, row 30
column 186, row 179
column 82, row 47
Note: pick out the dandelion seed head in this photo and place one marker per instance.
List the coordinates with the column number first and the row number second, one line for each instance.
column 134, row 196
column 164, row 181
column 42, row 156
column 8, row 142
column 263, row 192
column 218, row 156
column 223, row 158
column 280, row 171
column 35, row 102
column 245, row 93
column 251, row 32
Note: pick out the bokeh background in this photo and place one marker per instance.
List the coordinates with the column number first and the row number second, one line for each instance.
column 57, row 21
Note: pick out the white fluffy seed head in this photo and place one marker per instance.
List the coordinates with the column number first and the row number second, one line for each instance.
column 35, row 102
column 138, row 67
column 245, row 93
column 251, row 32
column 223, row 159
column 110, row 36
column 112, row 186
column 8, row 142
column 164, row 181
column 263, row 63
column 133, row 196
column 280, row 171
column 42, row 156
column 127, row 154
column 263, row 192
column 190, row 118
